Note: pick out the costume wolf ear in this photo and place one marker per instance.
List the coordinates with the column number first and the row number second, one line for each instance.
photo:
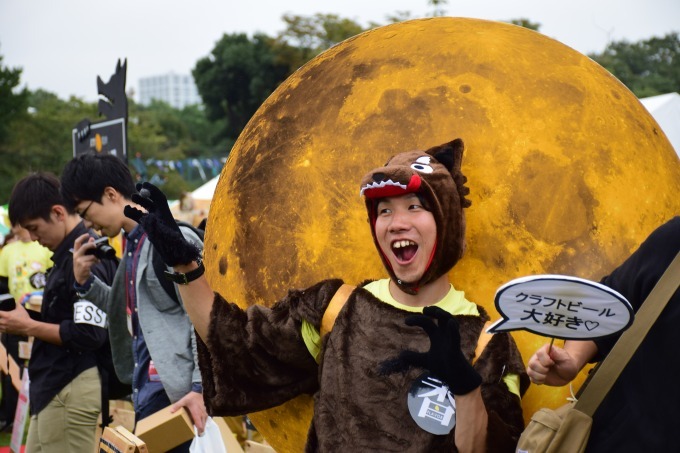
column 450, row 155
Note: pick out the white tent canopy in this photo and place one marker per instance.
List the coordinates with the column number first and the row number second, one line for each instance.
column 206, row 191
column 665, row 108
column 199, row 204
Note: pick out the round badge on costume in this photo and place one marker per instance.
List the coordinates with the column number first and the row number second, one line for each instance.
column 431, row 405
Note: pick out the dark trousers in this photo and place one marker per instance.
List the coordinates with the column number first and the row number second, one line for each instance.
column 9, row 394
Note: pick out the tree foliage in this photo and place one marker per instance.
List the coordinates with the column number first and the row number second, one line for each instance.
column 39, row 139
column 237, row 76
column 241, row 72
column 234, row 80
column 647, row 68
column 526, row 23
column 12, row 101
column 163, row 133
column 311, row 35
column 159, row 132
column 437, row 7
column 397, row 16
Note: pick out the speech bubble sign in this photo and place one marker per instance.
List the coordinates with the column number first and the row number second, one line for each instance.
column 561, row 306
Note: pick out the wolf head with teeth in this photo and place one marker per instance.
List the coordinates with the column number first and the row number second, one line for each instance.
column 435, row 176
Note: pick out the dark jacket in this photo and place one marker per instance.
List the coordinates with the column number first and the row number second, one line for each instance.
column 52, row 367
column 642, row 410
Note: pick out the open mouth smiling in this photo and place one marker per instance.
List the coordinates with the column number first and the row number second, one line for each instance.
column 404, row 250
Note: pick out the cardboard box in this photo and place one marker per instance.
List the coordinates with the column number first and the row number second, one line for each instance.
column 120, row 440
column 121, row 404
column 35, row 302
column 140, row 446
column 123, row 417
column 256, row 447
column 9, row 366
column 162, row 431
column 25, row 349
column 228, row 436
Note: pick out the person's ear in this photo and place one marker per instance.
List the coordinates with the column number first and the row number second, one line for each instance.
column 111, row 194
column 59, row 212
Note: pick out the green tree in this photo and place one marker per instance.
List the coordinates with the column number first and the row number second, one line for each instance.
column 397, row 16
column 234, row 80
column 526, row 23
column 159, row 132
column 145, row 134
column 13, row 102
column 437, row 7
column 241, row 72
column 41, row 139
column 311, row 35
column 162, row 133
column 203, row 133
column 36, row 135
column 647, row 68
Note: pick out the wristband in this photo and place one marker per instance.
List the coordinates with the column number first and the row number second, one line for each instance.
column 185, row 279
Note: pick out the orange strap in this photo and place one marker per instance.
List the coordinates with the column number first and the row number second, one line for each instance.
column 334, row 307
column 482, row 341
column 341, row 296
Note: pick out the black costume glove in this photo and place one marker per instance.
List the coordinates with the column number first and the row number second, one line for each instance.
column 160, row 226
column 444, row 360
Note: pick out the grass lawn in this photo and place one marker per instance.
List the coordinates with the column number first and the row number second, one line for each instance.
column 6, row 436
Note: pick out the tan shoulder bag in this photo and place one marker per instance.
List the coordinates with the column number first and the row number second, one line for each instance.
column 567, row 428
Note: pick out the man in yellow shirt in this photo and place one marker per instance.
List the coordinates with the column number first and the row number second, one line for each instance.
column 23, row 264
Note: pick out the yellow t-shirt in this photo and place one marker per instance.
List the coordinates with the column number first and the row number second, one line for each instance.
column 18, row 261
column 453, row 302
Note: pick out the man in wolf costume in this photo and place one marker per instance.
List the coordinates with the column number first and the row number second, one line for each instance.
column 395, row 373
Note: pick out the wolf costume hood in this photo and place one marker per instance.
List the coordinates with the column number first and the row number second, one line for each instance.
column 435, row 175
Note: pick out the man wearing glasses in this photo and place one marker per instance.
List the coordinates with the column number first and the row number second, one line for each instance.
column 152, row 338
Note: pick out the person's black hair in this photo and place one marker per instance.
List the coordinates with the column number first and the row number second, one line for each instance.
column 33, row 197
column 86, row 176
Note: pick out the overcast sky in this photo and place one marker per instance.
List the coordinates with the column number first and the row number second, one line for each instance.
column 63, row 45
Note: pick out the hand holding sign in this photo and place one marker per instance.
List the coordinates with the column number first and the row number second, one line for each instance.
column 561, row 306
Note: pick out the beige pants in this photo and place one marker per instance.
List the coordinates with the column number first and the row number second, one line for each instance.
column 68, row 422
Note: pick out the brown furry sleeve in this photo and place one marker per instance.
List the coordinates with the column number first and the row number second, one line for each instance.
column 506, row 421
column 256, row 359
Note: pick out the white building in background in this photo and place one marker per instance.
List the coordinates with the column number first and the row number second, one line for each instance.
column 174, row 89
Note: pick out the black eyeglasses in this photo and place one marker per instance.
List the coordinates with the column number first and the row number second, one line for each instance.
column 84, row 213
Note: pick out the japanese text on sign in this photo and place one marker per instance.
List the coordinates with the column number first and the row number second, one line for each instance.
column 561, row 307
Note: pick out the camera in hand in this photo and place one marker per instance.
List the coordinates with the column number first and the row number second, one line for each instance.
column 102, row 249
column 7, row 302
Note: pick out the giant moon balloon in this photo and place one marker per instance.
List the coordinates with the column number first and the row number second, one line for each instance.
column 567, row 170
